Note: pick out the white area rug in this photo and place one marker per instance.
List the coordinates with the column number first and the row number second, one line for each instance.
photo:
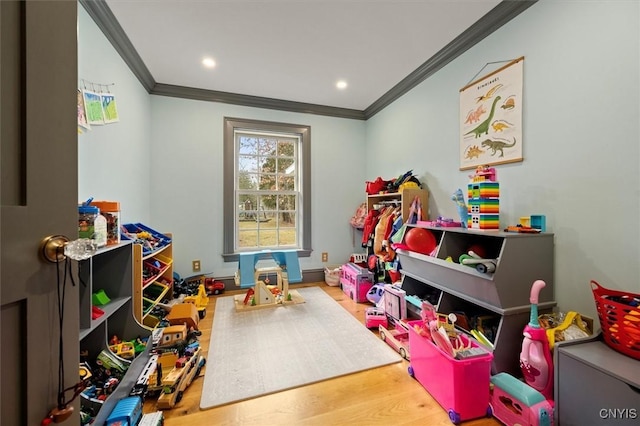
column 272, row 349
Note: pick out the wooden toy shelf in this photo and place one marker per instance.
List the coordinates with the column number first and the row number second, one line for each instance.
column 149, row 291
column 403, row 199
column 110, row 270
column 521, row 259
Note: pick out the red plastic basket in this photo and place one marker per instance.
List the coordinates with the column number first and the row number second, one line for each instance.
column 619, row 315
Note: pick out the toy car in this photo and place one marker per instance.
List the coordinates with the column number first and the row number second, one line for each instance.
column 397, row 338
column 515, row 402
column 375, row 317
column 213, row 286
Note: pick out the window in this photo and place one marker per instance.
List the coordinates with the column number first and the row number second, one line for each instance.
column 266, row 187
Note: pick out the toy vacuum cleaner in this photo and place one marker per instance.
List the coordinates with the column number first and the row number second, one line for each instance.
column 535, row 358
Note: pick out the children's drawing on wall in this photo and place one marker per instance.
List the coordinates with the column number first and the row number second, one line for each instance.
column 491, row 118
column 83, row 123
column 93, row 107
column 109, row 108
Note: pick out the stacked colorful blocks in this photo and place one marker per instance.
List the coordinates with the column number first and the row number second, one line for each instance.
column 484, row 205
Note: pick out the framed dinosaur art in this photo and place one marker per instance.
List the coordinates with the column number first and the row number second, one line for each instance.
column 491, row 117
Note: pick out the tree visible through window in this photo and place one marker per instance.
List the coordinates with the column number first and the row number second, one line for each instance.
column 269, row 175
column 266, row 188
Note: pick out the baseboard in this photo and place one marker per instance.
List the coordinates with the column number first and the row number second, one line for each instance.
column 308, row 276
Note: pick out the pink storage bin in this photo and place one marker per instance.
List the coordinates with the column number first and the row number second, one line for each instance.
column 356, row 282
column 460, row 386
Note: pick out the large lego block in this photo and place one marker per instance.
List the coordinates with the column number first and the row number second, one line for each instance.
column 484, row 206
column 487, row 189
column 483, row 221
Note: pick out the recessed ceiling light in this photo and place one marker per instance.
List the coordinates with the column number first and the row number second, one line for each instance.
column 341, row 84
column 208, row 62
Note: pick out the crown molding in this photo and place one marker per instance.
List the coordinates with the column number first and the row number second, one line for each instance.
column 253, row 101
column 107, row 22
column 490, row 22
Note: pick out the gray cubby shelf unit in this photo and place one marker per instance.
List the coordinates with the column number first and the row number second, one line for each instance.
column 522, row 259
column 110, row 269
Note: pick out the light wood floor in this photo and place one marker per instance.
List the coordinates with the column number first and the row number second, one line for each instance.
column 381, row 396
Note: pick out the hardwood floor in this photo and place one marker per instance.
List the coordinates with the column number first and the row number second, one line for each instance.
column 381, row 396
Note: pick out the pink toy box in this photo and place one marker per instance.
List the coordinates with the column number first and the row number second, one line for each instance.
column 356, row 282
column 461, row 386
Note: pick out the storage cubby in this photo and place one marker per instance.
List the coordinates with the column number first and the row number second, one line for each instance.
column 402, row 199
column 153, row 279
column 109, row 271
column 521, row 260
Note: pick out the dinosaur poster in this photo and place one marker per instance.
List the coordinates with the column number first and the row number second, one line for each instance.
column 491, row 118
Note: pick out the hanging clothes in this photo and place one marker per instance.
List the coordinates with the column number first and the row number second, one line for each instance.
column 370, row 223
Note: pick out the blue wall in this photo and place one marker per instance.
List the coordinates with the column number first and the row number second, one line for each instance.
column 580, row 139
column 113, row 159
column 188, row 137
column 581, row 166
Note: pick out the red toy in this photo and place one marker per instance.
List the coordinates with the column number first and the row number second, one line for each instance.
column 535, row 357
column 420, row 240
column 213, row 286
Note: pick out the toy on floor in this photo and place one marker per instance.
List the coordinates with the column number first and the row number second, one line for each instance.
column 127, row 411
column 375, row 317
column 174, row 363
column 152, row 419
column 200, row 300
column 213, row 286
column 515, row 403
column 287, row 260
column 375, row 293
column 535, row 357
column 184, row 313
column 262, row 295
column 397, row 337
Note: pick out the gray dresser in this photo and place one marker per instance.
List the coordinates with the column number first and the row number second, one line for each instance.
column 595, row 385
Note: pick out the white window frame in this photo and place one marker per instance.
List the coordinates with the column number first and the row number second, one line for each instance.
column 235, row 126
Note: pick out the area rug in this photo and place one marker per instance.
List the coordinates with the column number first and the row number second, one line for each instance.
column 263, row 351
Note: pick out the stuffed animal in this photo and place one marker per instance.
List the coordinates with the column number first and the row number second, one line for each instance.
column 458, row 197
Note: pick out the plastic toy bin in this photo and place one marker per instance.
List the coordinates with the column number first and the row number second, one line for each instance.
column 460, row 386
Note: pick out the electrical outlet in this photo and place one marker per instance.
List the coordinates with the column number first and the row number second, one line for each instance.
column 325, row 256
column 195, row 265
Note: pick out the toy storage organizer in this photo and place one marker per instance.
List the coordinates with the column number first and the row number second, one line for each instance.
column 460, row 386
column 108, row 274
column 502, row 294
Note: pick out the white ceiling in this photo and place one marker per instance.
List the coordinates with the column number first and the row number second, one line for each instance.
column 293, row 50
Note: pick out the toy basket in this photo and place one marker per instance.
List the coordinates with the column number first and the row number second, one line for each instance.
column 332, row 276
column 619, row 315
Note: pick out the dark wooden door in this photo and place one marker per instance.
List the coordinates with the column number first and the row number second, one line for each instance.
column 39, row 185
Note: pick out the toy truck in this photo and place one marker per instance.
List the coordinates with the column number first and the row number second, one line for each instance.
column 200, row 299
column 186, row 368
column 155, row 369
